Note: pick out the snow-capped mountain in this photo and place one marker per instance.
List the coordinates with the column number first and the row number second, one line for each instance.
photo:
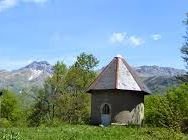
column 38, row 69
column 39, row 66
column 33, row 74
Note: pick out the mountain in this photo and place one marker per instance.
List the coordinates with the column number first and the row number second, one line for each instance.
column 155, row 77
column 159, row 78
column 39, row 66
column 31, row 75
column 149, row 71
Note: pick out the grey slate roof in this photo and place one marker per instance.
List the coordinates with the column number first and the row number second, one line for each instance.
column 120, row 76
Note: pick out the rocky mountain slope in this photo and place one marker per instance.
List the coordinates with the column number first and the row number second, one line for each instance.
column 149, row 71
column 159, row 78
column 33, row 74
column 155, row 77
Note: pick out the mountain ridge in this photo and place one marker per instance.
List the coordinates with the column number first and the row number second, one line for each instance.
column 34, row 74
column 158, row 71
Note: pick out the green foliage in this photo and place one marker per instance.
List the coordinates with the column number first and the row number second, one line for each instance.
column 10, row 107
column 64, row 98
column 71, row 108
column 46, row 100
column 152, row 115
column 26, row 106
column 74, row 108
column 78, row 80
column 82, row 73
column 4, row 123
column 40, row 110
column 56, row 122
column 86, row 61
column 10, row 135
column 170, row 110
column 56, row 83
column 86, row 132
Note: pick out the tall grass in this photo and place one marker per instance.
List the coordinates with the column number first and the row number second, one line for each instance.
column 85, row 132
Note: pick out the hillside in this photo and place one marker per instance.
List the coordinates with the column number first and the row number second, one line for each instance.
column 155, row 77
column 159, row 78
column 31, row 75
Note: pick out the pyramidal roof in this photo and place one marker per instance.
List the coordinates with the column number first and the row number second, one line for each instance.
column 118, row 75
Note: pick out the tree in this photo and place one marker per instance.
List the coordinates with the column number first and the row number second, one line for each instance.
column 62, row 97
column 56, row 83
column 82, row 73
column 55, row 86
column 184, row 49
column 86, row 61
column 40, row 110
column 46, row 99
column 10, row 107
column 74, row 108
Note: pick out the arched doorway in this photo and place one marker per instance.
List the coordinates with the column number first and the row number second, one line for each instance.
column 105, row 114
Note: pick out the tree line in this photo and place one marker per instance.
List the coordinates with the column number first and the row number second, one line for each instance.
column 63, row 97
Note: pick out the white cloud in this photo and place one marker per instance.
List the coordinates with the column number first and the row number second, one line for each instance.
column 125, row 39
column 136, row 41
column 118, row 37
column 156, row 37
column 7, row 4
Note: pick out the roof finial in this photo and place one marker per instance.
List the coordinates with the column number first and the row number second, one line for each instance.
column 119, row 55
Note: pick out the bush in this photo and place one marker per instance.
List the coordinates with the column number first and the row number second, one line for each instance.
column 74, row 108
column 4, row 123
column 169, row 110
column 10, row 107
column 152, row 115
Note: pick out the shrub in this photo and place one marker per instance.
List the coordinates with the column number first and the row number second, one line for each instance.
column 4, row 123
column 10, row 107
column 74, row 108
column 169, row 110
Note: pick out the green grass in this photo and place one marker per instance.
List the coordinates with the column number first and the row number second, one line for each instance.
column 86, row 132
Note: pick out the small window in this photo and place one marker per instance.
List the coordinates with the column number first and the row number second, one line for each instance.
column 106, row 109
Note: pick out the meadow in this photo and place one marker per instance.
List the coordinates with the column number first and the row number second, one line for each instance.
column 86, row 132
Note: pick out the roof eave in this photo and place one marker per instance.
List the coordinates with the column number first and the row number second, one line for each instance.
column 94, row 90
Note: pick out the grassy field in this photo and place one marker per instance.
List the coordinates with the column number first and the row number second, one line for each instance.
column 85, row 132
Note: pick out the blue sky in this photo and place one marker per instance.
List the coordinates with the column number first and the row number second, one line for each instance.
column 145, row 32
